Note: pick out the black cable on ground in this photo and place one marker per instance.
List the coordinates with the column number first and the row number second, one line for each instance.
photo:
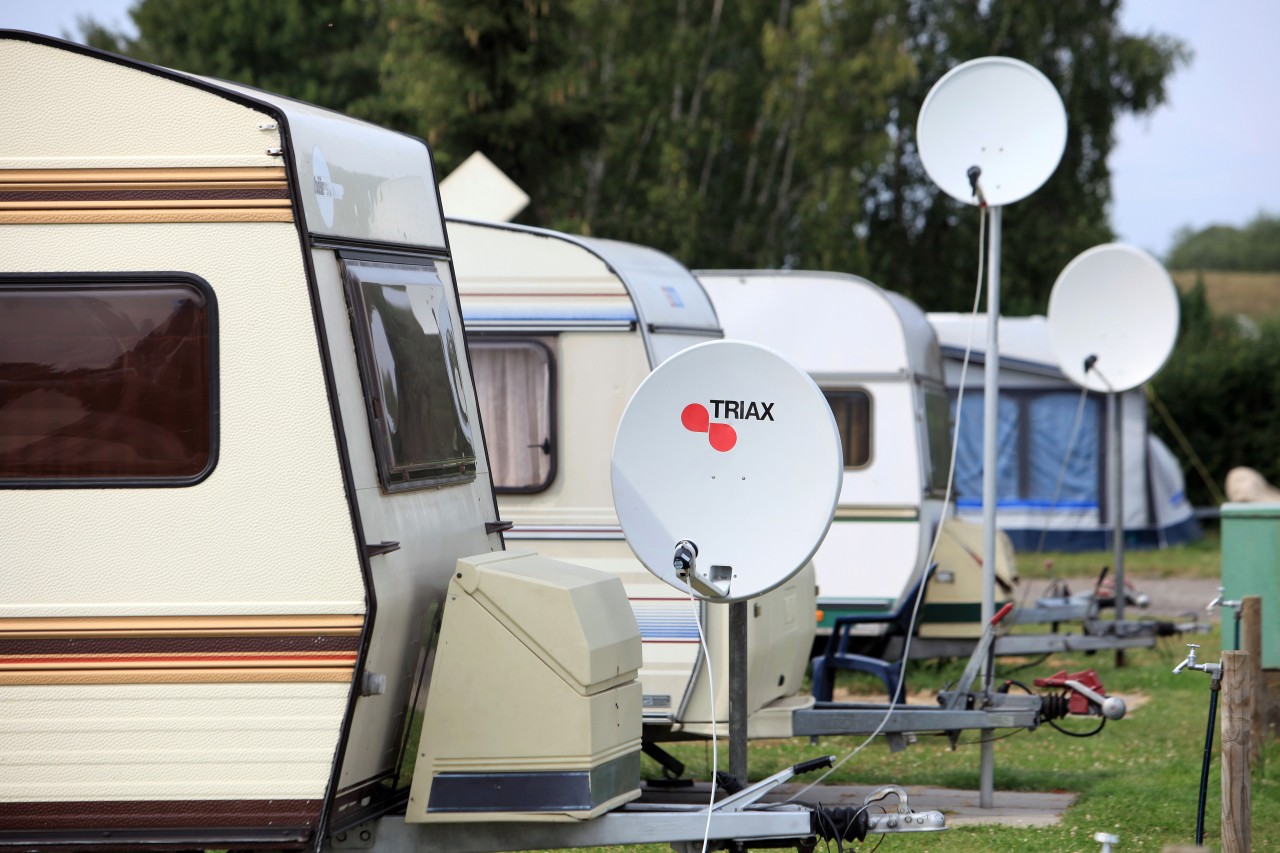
column 1044, row 657
column 1070, row 733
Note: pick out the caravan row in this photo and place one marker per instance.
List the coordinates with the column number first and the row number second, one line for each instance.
column 308, row 515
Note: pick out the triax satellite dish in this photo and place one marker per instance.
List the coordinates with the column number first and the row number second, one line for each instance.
column 1113, row 318
column 726, row 469
column 1000, row 115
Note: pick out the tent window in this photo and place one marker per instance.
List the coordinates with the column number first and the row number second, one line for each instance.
column 853, row 416
column 409, row 349
column 513, row 383
column 1034, row 468
column 107, row 380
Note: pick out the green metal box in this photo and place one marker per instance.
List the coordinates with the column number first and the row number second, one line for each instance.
column 1251, row 566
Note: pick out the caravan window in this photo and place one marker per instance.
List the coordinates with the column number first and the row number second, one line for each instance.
column 937, row 416
column 513, row 383
column 853, row 416
column 107, row 380
column 414, row 379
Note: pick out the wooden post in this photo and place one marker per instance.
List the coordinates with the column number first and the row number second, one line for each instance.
column 1251, row 642
column 1237, row 713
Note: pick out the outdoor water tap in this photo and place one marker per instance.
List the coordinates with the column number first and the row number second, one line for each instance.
column 1213, row 669
column 1221, row 602
column 1190, row 661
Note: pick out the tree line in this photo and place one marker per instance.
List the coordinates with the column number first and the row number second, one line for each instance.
column 758, row 134
column 1252, row 248
column 743, row 134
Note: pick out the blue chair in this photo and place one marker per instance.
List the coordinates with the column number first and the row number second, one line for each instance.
column 837, row 655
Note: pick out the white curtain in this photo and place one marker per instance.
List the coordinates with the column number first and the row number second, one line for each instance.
column 513, row 382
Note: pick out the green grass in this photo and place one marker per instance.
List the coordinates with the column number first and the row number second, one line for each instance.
column 1199, row 559
column 1138, row 778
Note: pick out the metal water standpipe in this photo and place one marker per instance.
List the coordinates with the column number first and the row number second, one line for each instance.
column 1214, row 671
column 1234, row 606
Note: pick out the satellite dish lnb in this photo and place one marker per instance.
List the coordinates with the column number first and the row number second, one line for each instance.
column 997, row 114
column 726, row 470
column 1113, row 318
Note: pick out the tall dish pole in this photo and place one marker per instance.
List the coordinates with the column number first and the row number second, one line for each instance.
column 990, row 133
column 990, row 479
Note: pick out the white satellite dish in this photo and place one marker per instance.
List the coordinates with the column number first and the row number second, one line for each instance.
column 1000, row 115
column 732, row 448
column 1116, row 305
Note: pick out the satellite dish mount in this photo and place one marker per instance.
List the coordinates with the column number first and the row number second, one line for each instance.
column 1101, row 347
column 726, row 470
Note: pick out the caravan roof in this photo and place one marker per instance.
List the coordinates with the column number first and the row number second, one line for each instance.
column 597, row 284
column 1025, row 345
column 895, row 335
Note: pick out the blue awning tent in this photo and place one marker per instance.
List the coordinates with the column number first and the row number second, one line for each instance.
column 1052, row 491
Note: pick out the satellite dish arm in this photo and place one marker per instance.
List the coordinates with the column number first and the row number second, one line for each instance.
column 974, row 173
column 710, row 585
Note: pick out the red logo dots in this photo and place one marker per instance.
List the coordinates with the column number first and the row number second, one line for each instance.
column 721, row 436
column 695, row 417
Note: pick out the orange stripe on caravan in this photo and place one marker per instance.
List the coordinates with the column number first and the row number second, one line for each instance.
column 172, row 661
column 177, row 676
column 114, row 217
column 37, row 627
column 142, row 204
column 131, row 176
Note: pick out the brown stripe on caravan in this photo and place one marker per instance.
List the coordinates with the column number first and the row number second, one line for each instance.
column 82, row 176
column 86, row 646
column 146, row 652
column 103, row 818
column 119, row 217
column 149, row 649
column 11, row 199
column 74, row 196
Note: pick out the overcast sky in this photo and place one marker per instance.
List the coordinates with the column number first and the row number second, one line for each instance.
column 1210, row 155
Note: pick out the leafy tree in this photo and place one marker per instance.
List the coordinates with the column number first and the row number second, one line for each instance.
column 326, row 52
column 735, row 134
column 496, row 76
column 1254, row 248
column 1221, row 385
column 753, row 133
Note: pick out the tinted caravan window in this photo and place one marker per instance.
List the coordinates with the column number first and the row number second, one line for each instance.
column 513, row 383
column 107, row 381
column 413, row 375
column 853, row 416
column 937, row 415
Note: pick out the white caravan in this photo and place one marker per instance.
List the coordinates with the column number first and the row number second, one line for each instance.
column 562, row 330
column 254, row 588
column 875, row 356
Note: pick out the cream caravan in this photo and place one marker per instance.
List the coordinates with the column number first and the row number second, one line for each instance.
column 255, row 591
column 875, row 356
column 562, row 330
